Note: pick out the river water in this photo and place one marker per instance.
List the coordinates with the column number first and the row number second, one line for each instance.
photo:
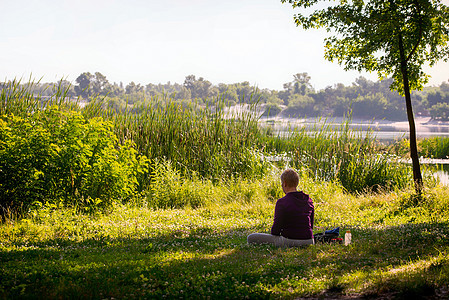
column 443, row 174
column 440, row 169
column 384, row 131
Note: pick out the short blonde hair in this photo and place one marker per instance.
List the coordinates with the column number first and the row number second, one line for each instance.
column 290, row 178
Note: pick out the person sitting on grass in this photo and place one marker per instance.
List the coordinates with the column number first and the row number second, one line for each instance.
column 293, row 217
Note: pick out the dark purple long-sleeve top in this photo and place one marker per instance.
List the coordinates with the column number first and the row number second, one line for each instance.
column 293, row 216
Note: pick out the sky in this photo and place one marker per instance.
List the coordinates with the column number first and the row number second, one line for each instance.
column 149, row 41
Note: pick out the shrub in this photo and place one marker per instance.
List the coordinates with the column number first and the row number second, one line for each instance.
column 55, row 155
column 168, row 189
column 360, row 172
column 25, row 151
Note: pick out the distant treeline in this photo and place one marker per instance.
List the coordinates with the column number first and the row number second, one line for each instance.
column 363, row 99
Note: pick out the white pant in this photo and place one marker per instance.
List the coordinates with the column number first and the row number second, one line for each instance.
column 277, row 240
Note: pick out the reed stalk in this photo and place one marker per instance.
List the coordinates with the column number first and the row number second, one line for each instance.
column 210, row 142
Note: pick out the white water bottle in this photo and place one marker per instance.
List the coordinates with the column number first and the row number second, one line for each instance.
column 348, row 237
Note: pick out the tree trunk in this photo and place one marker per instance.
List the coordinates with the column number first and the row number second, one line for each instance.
column 417, row 177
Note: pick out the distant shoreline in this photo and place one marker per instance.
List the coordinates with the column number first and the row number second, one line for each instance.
column 423, row 124
column 384, row 130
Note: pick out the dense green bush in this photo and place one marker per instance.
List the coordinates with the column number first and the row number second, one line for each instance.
column 57, row 155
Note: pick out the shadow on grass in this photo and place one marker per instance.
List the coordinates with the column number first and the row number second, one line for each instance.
column 204, row 263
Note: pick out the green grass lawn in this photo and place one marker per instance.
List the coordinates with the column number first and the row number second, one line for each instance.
column 398, row 250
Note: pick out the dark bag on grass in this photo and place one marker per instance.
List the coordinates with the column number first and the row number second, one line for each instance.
column 329, row 236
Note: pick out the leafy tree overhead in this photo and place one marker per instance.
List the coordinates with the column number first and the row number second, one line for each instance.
column 393, row 38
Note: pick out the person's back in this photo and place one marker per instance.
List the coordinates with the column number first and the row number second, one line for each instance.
column 293, row 217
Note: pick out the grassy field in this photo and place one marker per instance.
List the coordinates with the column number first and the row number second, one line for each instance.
column 98, row 204
column 132, row 251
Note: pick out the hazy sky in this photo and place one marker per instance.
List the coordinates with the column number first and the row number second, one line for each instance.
column 149, row 41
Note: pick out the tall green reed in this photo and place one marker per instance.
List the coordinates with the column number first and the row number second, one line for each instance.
column 203, row 140
column 435, row 147
column 338, row 153
column 208, row 141
column 21, row 99
column 198, row 140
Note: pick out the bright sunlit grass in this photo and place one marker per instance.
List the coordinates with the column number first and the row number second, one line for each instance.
column 137, row 251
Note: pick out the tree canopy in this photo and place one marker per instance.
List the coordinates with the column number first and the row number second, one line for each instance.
column 393, row 38
column 367, row 35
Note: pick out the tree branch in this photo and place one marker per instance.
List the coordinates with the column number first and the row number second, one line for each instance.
column 418, row 11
